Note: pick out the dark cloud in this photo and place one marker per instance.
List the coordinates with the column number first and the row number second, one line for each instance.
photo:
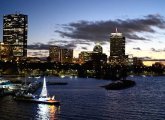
column 160, row 42
column 84, row 48
column 62, row 43
column 157, row 50
column 103, row 43
column 69, row 46
column 100, row 30
column 153, row 49
column 138, row 48
column 145, row 58
column 41, row 46
column 36, row 46
column 56, row 42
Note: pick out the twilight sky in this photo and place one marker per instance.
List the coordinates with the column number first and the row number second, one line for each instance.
column 79, row 24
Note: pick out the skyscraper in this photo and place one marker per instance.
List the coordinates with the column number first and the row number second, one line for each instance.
column 15, row 34
column 117, row 49
column 117, row 44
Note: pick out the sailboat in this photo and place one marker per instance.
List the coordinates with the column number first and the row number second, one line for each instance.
column 43, row 98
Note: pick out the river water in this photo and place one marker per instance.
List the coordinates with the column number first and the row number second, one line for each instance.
column 84, row 99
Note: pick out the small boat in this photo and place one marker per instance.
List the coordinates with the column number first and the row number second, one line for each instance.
column 44, row 95
column 33, row 99
column 43, row 98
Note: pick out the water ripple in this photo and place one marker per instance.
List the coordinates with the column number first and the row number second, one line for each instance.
column 83, row 99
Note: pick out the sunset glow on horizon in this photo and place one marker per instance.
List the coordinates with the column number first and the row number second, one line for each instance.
column 79, row 25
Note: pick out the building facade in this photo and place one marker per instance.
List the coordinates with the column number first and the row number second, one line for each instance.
column 15, row 34
column 54, row 53
column 5, row 52
column 97, row 48
column 85, row 56
column 117, row 44
column 58, row 54
column 66, row 55
column 96, row 55
column 117, row 49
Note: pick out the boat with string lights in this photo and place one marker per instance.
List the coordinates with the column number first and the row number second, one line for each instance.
column 43, row 98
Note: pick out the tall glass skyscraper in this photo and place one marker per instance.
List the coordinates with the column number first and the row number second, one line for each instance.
column 15, row 33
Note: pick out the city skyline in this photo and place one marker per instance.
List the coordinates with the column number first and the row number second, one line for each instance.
column 81, row 24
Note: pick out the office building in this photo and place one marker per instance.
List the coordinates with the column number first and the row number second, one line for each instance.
column 117, row 44
column 85, row 56
column 117, row 49
column 5, row 52
column 96, row 55
column 54, row 53
column 66, row 55
column 15, row 34
column 59, row 54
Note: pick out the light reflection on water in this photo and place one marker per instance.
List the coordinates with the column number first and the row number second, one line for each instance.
column 84, row 99
column 47, row 112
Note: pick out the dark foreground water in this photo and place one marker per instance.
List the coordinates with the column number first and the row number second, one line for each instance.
column 83, row 99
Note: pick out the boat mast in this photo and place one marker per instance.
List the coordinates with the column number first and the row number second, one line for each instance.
column 44, row 89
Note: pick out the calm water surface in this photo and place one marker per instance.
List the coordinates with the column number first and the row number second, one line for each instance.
column 83, row 99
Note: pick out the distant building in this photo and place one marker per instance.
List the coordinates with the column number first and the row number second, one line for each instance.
column 129, row 59
column 33, row 60
column 96, row 55
column 117, row 49
column 98, row 48
column 54, row 53
column 117, row 44
column 99, row 57
column 66, row 55
column 115, row 60
column 137, row 61
column 5, row 52
column 58, row 54
column 85, row 56
column 15, row 34
column 75, row 60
